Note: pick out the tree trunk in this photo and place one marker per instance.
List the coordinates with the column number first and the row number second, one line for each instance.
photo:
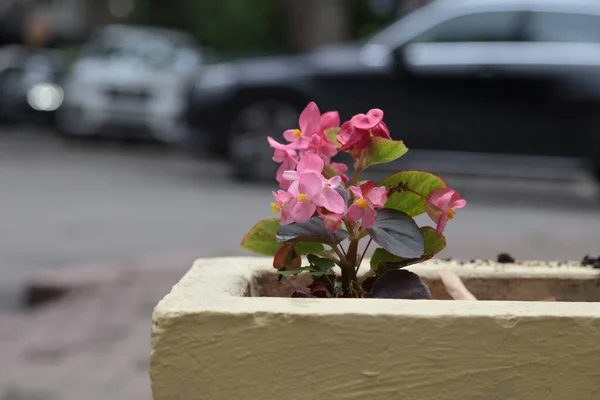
column 310, row 23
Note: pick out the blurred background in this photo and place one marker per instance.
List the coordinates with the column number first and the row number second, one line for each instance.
column 132, row 140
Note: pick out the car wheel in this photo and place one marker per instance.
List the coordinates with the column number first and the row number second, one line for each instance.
column 248, row 148
column 69, row 124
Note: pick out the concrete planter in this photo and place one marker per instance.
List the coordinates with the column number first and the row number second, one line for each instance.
column 211, row 340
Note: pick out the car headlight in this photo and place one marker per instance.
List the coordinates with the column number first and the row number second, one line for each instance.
column 45, row 97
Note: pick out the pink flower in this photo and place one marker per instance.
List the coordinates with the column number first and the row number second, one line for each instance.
column 368, row 198
column 309, row 121
column 330, row 119
column 308, row 163
column 283, row 205
column 332, row 221
column 308, row 194
column 322, row 147
column 356, row 133
column 330, row 198
column 340, row 169
column 285, row 155
column 441, row 204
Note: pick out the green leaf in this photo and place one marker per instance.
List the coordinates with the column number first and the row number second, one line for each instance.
column 323, row 264
column 421, row 182
column 331, row 135
column 397, row 233
column 293, row 271
column 383, row 150
column 262, row 239
column 434, row 243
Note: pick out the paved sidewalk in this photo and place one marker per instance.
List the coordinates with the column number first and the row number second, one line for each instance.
column 93, row 344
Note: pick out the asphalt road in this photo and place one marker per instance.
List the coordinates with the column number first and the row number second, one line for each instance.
column 66, row 204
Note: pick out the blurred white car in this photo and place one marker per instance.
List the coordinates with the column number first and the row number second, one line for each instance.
column 130, row 82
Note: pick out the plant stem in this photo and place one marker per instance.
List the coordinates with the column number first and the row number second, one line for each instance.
column 340, row 254
column 363, row 254
column 348, row 273
column 358, row 168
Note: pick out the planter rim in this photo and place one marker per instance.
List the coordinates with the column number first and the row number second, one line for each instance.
column 219, row 285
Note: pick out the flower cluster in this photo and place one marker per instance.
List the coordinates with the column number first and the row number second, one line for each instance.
column 319, row 204
column 315, row 184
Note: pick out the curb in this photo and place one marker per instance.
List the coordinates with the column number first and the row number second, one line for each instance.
column 50, row 286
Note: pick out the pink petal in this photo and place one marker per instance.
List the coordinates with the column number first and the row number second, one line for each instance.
column 289, row 135
column 377, row 196
column 310, row 119
column 458, row 204
column 311, row 184
column 433, row 212
column 369, row 218
column 369, row 120
column 443, row 201
column 293, row 189
column 302, row 211
column 290, row 175
column 329, row 120
column 279, row 176
column 339, row 168
column 286, row 218
column 333, row 201
column 356, row 192
column 366, row 188
column 381, row 130
column 364, row 138
column 355, row 212
column 275, row 144
column 442, row 223
column 310, row 162
column 335, row 182
column 331, row 221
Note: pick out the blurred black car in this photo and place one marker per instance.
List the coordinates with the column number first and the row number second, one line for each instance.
column 498, row 76
column 30, row 88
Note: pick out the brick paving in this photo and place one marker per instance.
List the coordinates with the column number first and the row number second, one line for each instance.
column 91, row 344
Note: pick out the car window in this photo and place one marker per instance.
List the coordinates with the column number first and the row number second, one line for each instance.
column 564, row 27
column 479, row 27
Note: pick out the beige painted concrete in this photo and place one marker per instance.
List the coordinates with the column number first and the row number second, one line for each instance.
column 210, row 342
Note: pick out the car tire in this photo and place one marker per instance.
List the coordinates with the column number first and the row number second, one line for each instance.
column 248, row 149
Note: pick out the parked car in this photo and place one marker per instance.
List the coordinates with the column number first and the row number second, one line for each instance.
column 500, row 76
column 30, row 87
column 130, row 82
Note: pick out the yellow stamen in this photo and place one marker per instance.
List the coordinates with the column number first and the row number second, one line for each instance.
column 297, row 132
column 451, row 214
column 362, row 203
column 301, row 197
column 275, row 207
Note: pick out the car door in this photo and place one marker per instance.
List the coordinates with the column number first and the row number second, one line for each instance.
column 564, row 47
column 455, row 89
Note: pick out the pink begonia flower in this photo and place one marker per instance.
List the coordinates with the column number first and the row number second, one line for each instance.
column 330, row 119
column 368, row 198
column 283, row 205
column 356, row 133
column 322, row 147
column 441, row 204
column 285, row 155
column 340, row 169
column 331, row 199
column 309, row 121
column 308, row 195
column 332, row 221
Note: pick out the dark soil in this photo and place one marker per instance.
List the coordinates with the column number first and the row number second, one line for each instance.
column 591, row 261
